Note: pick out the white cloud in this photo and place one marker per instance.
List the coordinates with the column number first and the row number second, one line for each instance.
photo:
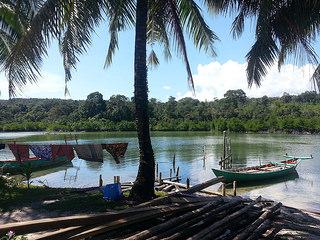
column 166, row 87
column 214, row 79
column 48, row 86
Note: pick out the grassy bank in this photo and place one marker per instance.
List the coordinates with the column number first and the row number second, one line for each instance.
column 47, row 199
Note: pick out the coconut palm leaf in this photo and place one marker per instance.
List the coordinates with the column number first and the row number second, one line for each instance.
column 121, row 15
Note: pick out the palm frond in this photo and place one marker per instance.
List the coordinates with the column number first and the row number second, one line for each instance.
column 315, row 79
column 81, row 17
column 23, row 63
column 121, row 15
column 177, row 33
column 153, row 60
column 191, row 17
column 156, row 28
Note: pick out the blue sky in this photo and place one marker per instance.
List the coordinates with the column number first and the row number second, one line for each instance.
column 213, row 76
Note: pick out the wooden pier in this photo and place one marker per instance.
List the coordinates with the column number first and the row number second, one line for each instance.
column 187, row 212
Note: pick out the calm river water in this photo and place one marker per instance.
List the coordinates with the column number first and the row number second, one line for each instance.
column 248, row 149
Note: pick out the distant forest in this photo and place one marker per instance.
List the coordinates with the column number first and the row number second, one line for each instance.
column 235, row 112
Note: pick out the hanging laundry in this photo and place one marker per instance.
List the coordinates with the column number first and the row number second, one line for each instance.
column 20, row 151
column 117, row 150
column 61, row 151
column 42, row 151
column 2, row 146
column 89, row 152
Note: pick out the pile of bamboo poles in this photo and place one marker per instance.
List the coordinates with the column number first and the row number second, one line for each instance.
column 181, row 215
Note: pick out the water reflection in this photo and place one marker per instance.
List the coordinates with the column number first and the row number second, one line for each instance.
column 188, row 148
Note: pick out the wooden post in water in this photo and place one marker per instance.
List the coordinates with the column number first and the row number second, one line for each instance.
column 224, row 146
column 114, row 179
column 204, row 156
column 234, row 188
column 188, row 183
column 160, row 178
column 223, row 189
column 170, row 174
column 177, row 174
column 157, row 170
column 118, row 179
column 100, row 181
column 174, row 163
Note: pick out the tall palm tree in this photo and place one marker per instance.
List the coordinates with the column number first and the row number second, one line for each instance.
column 284, row 28
column 72, row 22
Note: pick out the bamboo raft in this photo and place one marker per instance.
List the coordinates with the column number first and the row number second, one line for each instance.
column 184, row 214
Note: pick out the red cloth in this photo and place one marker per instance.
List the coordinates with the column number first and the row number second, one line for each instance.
column 62, row 150
column 20, row 151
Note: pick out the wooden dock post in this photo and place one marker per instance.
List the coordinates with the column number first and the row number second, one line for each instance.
column 174, row 163
column 188, row 183
column 157, row 170
column 118, row 179
column 160, row 178
column 170, row 174
column 234, row 188
column 223, row 189
column 177, row 174
column 100, row 181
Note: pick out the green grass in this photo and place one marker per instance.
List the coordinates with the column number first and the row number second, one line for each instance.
column 42, row 198
column 61, row 200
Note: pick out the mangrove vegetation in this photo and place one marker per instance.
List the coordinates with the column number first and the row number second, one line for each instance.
column 235, row 112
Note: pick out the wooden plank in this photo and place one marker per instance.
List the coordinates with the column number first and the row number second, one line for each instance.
column 70, row 221
column 250, row 229
column 198, row 187
column 180, row 231
column 173, row 222
column 127, row 221
column 262, row 228
column 61, row 234
column 184, row 186
column 206, row 233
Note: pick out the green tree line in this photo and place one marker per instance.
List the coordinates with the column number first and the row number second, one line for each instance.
column 235, row 112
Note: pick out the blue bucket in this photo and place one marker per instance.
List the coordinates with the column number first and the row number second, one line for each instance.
column 112, row 191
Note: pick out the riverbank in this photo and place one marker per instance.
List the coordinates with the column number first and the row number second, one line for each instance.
column 182, row 214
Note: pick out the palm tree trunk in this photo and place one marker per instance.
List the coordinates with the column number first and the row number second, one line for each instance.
column 143, row 188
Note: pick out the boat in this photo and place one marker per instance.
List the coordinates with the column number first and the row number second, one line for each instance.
column 42, row 157
column 272, row 170
column 16, row 167
column 301, row 157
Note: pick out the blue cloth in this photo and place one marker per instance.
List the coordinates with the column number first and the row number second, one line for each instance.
column 112, row 192
column 42, row 151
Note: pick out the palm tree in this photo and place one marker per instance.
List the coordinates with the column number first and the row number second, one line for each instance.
column 72, row 22
column 284, row 28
